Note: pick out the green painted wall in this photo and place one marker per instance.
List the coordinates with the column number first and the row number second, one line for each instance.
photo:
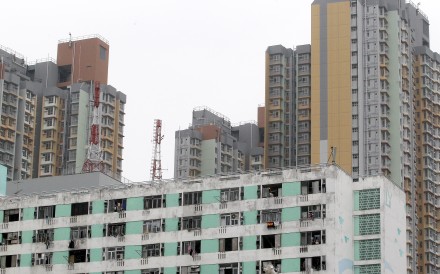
column 28, row 213
column 356, row 200
column 289, row 214
column 136, row 203
column 172, row 200
column 170, row 270
column 2, row 214
column 291, row 239
column 395, row 102
column 62, row 234
column 98, row 207
column 356, row 225
column 250, row 192
column 26, row 236
column 249, row 267
column 250, row 217
column 95, row 254
column 208, row 165
column 97, row 231
column 134, row 228
column 356, row 251
column 83, row 120
column 209, row 246
column 290, row 265
column 132, row 251
column 171, row 224
column 136, row 271
column 209, row 268
column 3, row 178
column 211, row 196
column 291, row 189
column 26, row 260
column 170, row 249
column 60, row 257
column 63, row 210
column 250, row 243
column 210, row 221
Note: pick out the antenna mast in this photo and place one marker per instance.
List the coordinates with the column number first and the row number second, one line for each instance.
column 94, row 154
column 156, row 165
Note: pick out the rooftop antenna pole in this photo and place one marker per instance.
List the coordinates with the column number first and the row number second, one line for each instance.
column 156, row 164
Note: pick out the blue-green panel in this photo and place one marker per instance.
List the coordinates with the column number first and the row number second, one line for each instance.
column 136, row 203
column 25, row 260
column 209, row 246
column 28, row 213
column 290, row 265
column 291, row 189
column 3, row 179
column 63, row 210
column 170, row 249
column 211, row 196
column 170, row 270
column 133, row 252
column 250, row 243
column 97, row 231
column 134, row 228
column 172, row 200
column 210, row 221
column 289, row 214
column 290, row 239
column 98, row 207
column 2, row 214
column 26, row 237
column 250, row 192
column 60, row 257
column 171, row 224
column 95, row 254
column 136, row 271
column 62, row 234
column 250, row 217
column 209, row 269
column 249, row 267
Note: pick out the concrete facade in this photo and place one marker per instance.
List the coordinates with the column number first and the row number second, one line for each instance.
column 306, row 220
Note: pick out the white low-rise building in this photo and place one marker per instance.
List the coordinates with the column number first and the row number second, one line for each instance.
column 313, row 220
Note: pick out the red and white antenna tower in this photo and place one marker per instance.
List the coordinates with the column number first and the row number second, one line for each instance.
column 94, row 154
column 156, row 165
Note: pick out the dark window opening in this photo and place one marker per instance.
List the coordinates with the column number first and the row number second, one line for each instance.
column 11, row 215
column 191, row 248
column 313, row 237
column 64, row 73
column 9, row 261
column 313, row 212
column 117, row 205
column 151, row 250
column 315, row 263
column 272, row 190
column 115, row 230
column 80, row 232
column 80, row 209
column 270, row 266
column 153, row 202
column 43, row 236
column 228, row 244
column 192, row 198
column 228, row 268
column 271, row 241
column 230, row 194
column 78, row 256
column 11, row 238
column 313, row 187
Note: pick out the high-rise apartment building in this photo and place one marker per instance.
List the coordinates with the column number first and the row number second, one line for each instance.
column 373, row 87
column 46, row 112
column 211, row 145
column 287, row 121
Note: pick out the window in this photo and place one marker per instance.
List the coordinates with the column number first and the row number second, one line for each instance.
column 229, row 219
column 11, row 215
column 102, row 53
column 313, row 237
column 190, row 247
column 271, row 241
column 45, row 212
column 80, row 209
column 151, row 271
column 313, row 187
column 151, row 250
column 116, row 205
column 315, row 263
column 79, row 256
column 229, row 194
column 153, row 202
column 80, row 232
column 42, row 258
column 11, row 238
column 194, row 269
column 228, row 268
column 152, row 226
column 193, row 222
column 115, row 230
column 192, row 198
column 272, row 190
column 272, row 215
column 228, row 244
column 114, row 253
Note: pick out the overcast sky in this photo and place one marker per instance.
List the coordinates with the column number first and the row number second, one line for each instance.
column 170, row 56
